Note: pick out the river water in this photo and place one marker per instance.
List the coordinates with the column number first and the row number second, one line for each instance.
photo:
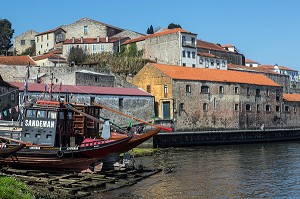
column 267, row 170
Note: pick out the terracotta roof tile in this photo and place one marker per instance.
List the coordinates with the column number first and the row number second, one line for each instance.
column 208, row 45
column 249, row 61
column 204, row 74
column 291, row 97
column 208, row 55
column 50, row 31
column 271, row 67
column 227, row 45
column 93, row 40
column 49, row 56
column 35, row 87
column 165, row 32
column 22, row 60
column 251, row 69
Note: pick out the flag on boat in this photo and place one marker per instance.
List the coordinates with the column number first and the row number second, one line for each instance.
column 130, row 124
column 153, row 119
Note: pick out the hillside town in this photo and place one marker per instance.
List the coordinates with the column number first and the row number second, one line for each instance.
column 186, row 83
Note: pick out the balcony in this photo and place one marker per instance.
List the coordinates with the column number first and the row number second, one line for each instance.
column 188, row 44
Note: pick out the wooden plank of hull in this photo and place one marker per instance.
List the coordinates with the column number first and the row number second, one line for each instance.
column 71, row 164
column 5, row 152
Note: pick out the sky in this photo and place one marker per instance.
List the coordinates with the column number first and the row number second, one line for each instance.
column 266, row 31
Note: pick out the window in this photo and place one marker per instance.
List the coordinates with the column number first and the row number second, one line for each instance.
column 236, row 90
column 201, row 61
column 248, row 107
column 188, row 54
column 183, row 40
column 223, row 64
column 86, row 47
column 257, row 92
column 268, row 108
column 218, row 63
column 41, row 114
column 258, row 108
column 248, row 91
column 286, row 108
column 183, row 53
column 37, row 39
column 295, row 109
column 221, row 90
column 32, row 42
column 277, row 95
column 47, row 36
column 212, row 62
column 193, row 41
column 206, row 63
column 165, row 89
column 193, row 65
column 193, row 55
column 30, row 113
column 85, row 30
column 42, row 38
column 148, row 88
column 184, row 64
column 121, row 102
column 205, row 107
column 94, row 47
column 277, row 108
column 204, row 89
column 96, row 79
column 52, row 114
column 101, row 46
column 236, row 107
column 22, row 42
column 268, row 93
column 215, row 103
column 181, row 107
column 188, row 89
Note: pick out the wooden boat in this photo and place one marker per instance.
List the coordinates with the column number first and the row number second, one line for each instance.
column 57, row 138
column 9, row 151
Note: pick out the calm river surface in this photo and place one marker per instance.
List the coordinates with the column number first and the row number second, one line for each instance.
column 268, row 170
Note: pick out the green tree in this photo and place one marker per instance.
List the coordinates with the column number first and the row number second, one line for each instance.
column 29, row 51
column 77, row 56
column 150, row 30
column 173, row 26
column 6, row 33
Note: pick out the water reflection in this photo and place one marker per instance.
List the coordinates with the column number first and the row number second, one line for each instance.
column 269, row 170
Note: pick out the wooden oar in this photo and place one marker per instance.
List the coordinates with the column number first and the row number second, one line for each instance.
column 14, row 140
column 136, row 119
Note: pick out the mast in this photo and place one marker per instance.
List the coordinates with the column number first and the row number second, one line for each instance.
column 51, row 86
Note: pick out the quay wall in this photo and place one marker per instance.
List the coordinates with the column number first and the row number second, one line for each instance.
column 187, row 139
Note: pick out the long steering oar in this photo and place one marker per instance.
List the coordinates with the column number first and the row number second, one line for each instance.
column 136, row 119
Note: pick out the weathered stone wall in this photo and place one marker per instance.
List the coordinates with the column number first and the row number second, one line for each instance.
column 221, row 111
column 128, row 33
column 94, row 29
column 231, row 57
column 28, row 36
column 92, row 79
column 164, row 49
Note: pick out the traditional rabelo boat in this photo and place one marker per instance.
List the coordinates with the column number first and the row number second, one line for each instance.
column 57, row 136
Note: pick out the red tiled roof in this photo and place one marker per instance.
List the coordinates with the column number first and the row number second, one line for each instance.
column 251, row 69
column 49, row 56
column 22, row 60
column 4, row 83
column 97, row 90
column 291, row 97
column 208, row 45
column 213, row 75
column 227, row 45
column 55, row 51
column 208, row 55
column 249, row 61
column 271, row 67
column 93, row 40
column 165, row 32
column 50, row 31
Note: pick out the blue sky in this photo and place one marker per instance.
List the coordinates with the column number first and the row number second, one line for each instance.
column 266, row 31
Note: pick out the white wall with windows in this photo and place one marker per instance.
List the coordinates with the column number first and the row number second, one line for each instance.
column 211, row 62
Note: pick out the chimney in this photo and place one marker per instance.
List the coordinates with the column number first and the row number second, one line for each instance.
column 98, row 39
column 106, row 39
column 81, row 39
column 73, row 40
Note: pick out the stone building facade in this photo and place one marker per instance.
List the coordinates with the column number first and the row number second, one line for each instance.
column 89, row 28
column 132, row 101
column 218, row 50
column 24, row 41
column 9, row 101
column 89, row 78
column 291, row 109
column 47, row 40
column 208, row 98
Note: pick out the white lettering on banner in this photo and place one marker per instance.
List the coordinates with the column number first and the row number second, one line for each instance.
column 39, row 123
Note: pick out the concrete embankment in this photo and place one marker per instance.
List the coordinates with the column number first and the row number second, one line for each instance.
column 184, row 139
